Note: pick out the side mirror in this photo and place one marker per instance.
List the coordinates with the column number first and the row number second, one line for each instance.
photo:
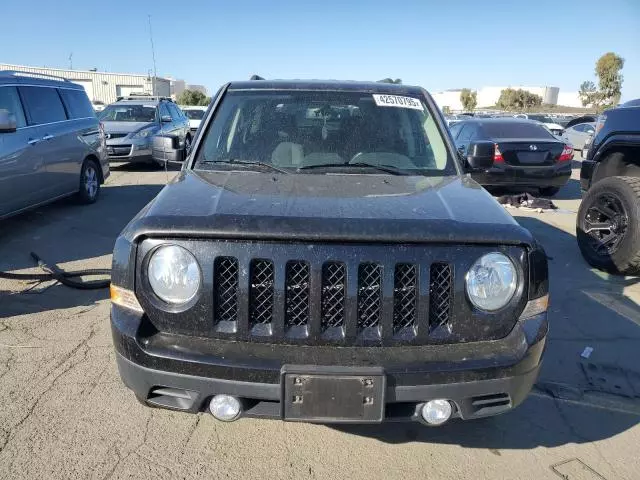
column 166, row 119
column 7, row 122
column 166, row 148
column 480, row 155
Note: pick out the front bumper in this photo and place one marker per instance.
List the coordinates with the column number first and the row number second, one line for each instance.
column 183, row 373
column 128, row 150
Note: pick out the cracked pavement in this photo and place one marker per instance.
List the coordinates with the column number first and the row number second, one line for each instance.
column 65, row 414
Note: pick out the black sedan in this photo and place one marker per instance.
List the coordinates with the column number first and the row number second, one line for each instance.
column 526, row 153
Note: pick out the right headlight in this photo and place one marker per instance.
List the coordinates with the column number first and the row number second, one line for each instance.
column 492, row 281
column 174, row 274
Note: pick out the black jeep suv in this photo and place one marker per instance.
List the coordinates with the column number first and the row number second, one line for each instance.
column 323, row 257
column 608, row 222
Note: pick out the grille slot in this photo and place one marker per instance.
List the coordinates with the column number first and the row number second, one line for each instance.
column 334, row 277
column 226, row 289
column 440, row 294
column 261, row 292
column 405, row 292
column 297, row 293
column 369, row 294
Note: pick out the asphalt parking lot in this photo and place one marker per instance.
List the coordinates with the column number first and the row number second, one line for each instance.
column 65, row 414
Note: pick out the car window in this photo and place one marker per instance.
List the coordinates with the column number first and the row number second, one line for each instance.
column 77, row 103
column 43, row 105
column 465, row 134
column 194, row 114
column 589, row 129
column 455, row 130
column 516, row 129
column 175, row 112
column 10, row 101
column 128, row 112
column 311, row 128
column 164, row 111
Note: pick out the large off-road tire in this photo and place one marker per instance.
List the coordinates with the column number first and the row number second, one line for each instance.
column 608, row 225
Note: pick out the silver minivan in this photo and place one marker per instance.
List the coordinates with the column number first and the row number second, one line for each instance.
column 51, row 143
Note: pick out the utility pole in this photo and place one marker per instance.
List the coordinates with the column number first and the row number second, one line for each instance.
column 71, row 61
column 153, row 56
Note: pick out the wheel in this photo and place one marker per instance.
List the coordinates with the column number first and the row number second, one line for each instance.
column 608, row 225
column 89, row 182
column 549, row 191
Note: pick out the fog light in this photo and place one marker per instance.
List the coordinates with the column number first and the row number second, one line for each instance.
column 436, row 412
column 225, row 408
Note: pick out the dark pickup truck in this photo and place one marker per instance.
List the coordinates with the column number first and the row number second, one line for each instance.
column 608, row 223
column 323, row 256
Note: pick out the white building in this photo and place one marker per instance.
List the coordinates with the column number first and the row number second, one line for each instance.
column 103, row 86
column 488, row 96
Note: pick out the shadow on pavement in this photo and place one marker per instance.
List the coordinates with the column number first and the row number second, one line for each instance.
column 144, row 167
column 66, row 232
column 538, row 422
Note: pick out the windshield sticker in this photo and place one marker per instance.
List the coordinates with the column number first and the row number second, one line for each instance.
column 397, row 101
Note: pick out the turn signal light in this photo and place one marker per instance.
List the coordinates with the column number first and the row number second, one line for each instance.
column 124, row 298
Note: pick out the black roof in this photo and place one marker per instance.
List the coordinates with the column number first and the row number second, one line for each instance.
column 29, row 78
column 335, row 85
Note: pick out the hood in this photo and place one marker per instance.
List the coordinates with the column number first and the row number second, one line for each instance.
column 325, row 207
column 125, row 127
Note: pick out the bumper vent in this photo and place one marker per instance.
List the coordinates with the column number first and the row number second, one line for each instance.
column 440, row 294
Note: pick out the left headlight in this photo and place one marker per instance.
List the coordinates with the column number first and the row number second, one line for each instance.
column 144, row 133
column 174, row 274
column 492, row 281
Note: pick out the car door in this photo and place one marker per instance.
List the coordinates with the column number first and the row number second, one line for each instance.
column 462, row 142
column 19, row 159
column 47, row 115
column 167, row 128
column 78, row 136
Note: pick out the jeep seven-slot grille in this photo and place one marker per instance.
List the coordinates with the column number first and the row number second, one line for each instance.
column 297, row 292
column 261, row 293
column 440, row 288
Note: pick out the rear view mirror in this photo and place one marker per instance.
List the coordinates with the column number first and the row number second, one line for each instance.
column 166, row 148
column 7, row 122
column 480, row 155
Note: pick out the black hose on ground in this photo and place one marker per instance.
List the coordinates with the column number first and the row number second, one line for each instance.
column 53, row 272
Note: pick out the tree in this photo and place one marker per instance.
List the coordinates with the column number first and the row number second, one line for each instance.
column 469, row 99
column 446, row 110
column 193, row 97
column 511, row 99
column 390, row 80
column 610, row 79
column 588, row 93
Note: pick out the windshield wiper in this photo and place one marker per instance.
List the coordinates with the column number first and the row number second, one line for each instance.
column 237, row 161
column 390, row 169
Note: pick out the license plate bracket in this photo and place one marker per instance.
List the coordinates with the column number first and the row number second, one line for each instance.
column 333, row 395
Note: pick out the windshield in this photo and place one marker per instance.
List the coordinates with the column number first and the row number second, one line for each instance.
column 194, row 114
column 128, row 113
column 307, row 129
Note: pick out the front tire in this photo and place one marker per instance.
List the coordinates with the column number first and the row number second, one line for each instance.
column 89, row 182
column 608, row 225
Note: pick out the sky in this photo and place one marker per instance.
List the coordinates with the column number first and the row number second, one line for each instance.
column 436, row 44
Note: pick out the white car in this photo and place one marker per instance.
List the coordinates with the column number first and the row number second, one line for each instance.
column 549, row 122
column 195, row 116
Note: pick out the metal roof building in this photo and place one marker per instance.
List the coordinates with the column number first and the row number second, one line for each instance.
column 103, row 86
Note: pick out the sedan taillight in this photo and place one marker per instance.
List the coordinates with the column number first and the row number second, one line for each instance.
column 567, row 153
